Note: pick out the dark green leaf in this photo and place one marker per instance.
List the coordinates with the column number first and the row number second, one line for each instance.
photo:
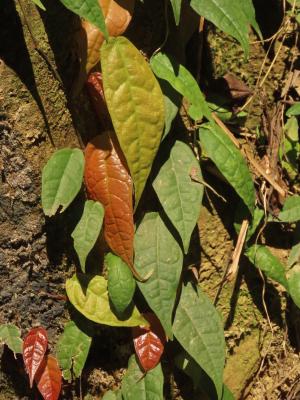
column 243, row 213
column 11, row 336
column 172, row 104
column 291, row 210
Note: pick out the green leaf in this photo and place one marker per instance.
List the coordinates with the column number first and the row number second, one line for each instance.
column 220, row 149
column 136, row 106
column 176, row 5
column 294, row 256
column 172, row 101
column 112, row 395
column 198, row 328
column 294, row 284
column 167, row 68
column 89, row 296
column 87, row 230
column 249, row 11
column 263, row 259
column 179, row 194
column 61, row 180
column 137, row 385
column 291, row 210
column 188, row 365
column 11, row 336
column 227, row 394
column 293, row 110
column 39, row 4
column 242, row 213
column 89, row 10
column 158, row 253
column 72, row 350
column 121, row 284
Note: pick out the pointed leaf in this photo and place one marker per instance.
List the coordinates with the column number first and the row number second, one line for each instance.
column 157, row 251
column 48, row 378
column 263, row 259
column 198, row 328
column 34, row 348
column 137, row 385
column 72, row 350
column 39, row 4
column 149, row 342
column 176, row 5
column 89, row 296
column 121, row 284
column 167, row 68
column 136, row 105
column 172, row 101
column 61, row 180
column 87, row 230
column 179, row 194
column 229, row 161
column 294, row 285
column 108, row 181
column 291, row 210
column 11, row 336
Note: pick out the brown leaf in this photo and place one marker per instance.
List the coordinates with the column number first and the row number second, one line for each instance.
column 95, row 89
column 149, row 342
column 48, row 378
column 237, row 88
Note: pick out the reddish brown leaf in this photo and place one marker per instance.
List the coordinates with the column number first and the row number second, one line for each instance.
column 95, row 88
column 34, row 348
column 48, row 378
column 149, row 342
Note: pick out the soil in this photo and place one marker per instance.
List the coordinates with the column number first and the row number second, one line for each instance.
column 37, row 116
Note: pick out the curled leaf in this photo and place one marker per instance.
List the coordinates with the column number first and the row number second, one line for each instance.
column 48, row 378
column 34, row 348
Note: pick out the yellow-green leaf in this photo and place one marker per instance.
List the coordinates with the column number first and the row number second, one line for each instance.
column 10, row 335
column 136, row 105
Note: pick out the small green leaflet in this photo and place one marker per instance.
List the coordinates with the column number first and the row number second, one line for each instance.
column 157, row 251
column 176, row 5
column 229, row 161
column 87, row 230
column 199, row 330
column 89, row 10
column 39, row 4
column 121, row 284
column 293, row 110
column 263, row 259
column 182, row 80
column 137, row 385
column 294, row 284
column 11, row 336
column 172, row 103
column 179, row 191
column 89, row 296
column 72, row 350
column 291, row 210
column 294, row 256
column 61, row 180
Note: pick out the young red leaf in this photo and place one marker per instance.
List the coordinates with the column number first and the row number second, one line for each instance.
column 95, row 89
column 34, row 349
column 149, row 342
column 48, row 378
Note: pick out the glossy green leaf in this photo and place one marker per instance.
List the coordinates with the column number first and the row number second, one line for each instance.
column 39, row 4
column 291, row 210
column 121, row 284
column 61, row 180
column 294, row 284
column 136, row 106
column 167, row 68
column 157, row 251
column 87, row 230
column 137, row 385
column 263, row 259
column 89, row 10
column 11, row 336
column 179, row 192
column 176, row 6
column 72, row 350
column 220, row 149
column 199, row 330
column 293, row 110
column 89, row 296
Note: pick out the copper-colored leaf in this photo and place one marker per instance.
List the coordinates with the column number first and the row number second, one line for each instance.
column 108, row 181
column 34, row 349
column 236, row 87
column 48, row 378
column 95, row 89
column 149, row 342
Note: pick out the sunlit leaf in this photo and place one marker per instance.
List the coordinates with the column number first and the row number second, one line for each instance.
column 293, row 110
column 11, row 336
column 291, row 210
column 136, row 106
column 89, row 296
column 294, row 285
column 176, row 5
column 72, row 350
column 61, row 180
column 198, row 328
column 157, row 251
column 39, row 4
column 87, row 230
column 48, row 378
column 178, row 192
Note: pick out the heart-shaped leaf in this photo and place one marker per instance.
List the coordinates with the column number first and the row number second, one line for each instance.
column 48, row 378
column 121, row 284
column 198, row 328
column 149, row 342
column 34, row 348
column 157, row 252
column 89, row 296
column 95, row 89
column 11, row 336
column 61, row 180
column 179, row 192
column 291, row 210
column 136, row 106
column 72, row 350
column 87, row 230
